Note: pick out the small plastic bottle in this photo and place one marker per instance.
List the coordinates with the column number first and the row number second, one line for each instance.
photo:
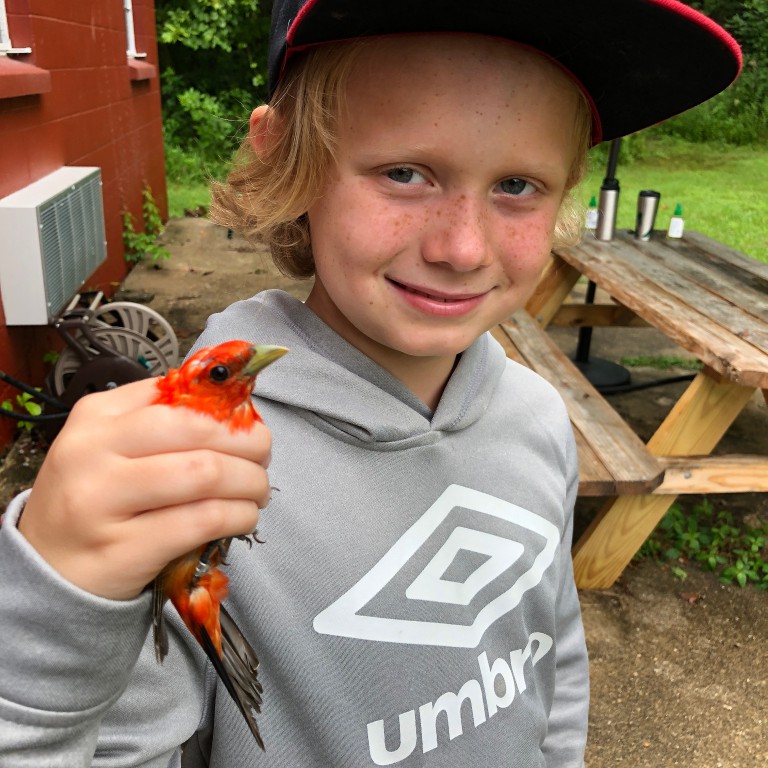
column 592, row 214
column 676, row 223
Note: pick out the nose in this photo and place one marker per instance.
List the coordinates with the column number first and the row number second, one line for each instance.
column 458, row 234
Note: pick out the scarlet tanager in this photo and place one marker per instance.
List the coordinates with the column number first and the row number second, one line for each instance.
column 217, row 381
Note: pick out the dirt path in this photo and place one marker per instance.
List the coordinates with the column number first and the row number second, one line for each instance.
column 679, row 669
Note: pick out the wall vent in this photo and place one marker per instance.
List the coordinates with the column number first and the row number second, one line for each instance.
column 51, row 241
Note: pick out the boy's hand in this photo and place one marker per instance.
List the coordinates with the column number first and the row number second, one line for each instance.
column 128, row 486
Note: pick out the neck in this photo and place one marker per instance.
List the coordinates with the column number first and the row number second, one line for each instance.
column 425, row 376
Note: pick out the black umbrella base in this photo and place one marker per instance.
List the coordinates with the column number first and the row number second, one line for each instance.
column 603, row 374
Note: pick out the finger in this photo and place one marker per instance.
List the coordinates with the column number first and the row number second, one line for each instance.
column 112, row 402
column 154, row 429
column 161, row 429
column 138, row 552
column 177, row 529
column 176, row 478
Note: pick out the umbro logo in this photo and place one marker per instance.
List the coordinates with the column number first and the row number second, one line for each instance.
column 463, row 565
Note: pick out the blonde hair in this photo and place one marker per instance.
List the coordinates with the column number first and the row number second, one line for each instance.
column 569, row 226
column 268, row 193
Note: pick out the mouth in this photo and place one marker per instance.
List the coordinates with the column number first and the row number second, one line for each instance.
column 444, row 298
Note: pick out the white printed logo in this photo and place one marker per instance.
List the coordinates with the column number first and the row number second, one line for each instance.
column 483, row 695
column 343, row 618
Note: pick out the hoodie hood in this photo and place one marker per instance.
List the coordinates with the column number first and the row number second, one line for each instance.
column 343, row 391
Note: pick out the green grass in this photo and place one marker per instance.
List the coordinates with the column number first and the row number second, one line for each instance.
column 183, row 195
column 723, row 190
column 663, row 362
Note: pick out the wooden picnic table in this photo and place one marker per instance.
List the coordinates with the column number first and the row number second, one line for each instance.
column 710, row 300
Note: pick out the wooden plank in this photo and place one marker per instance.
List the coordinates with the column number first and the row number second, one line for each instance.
column 693, row 426
column 596, row 316
column 741, row 309
column 700, row 417
column 613, row 537
column 512, row 352
column 555, row 283
column 714, row 474
column 736, row 278
column 595, row 478
column 710, row 249
column 688, row 326
column 707, row 305
column 614, row 443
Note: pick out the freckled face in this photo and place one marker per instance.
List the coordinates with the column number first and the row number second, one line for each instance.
column 453, row 157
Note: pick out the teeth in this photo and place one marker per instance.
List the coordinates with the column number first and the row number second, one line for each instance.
column 429, row 295
column 422, row 293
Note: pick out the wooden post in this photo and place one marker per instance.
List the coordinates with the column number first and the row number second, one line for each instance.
column 555, row 284
column 694, row 426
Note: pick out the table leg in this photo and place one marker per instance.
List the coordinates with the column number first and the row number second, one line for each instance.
column 555, row 284
column 694, row 426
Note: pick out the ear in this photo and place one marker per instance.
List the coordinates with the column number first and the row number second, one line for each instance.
column 260, row 118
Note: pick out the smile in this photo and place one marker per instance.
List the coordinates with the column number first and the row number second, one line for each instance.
column 445, row 298
column 439, row 303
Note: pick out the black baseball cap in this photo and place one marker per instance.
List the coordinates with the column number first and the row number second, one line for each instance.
column 638, row 61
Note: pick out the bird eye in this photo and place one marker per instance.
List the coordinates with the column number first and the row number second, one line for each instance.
column 219, row 373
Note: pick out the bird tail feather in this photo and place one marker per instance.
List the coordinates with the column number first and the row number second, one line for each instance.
column 238, row 668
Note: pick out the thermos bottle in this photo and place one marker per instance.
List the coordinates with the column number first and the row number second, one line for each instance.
column 608, row 206
column 647, row 206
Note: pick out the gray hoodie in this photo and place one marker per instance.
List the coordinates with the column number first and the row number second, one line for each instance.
column 413, row 604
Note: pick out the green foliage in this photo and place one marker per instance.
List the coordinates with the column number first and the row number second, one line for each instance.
column 138, row 245
column 739, row 115
column 201, row 130
column 715, row 540
column 663, row 362
column 27, row 403
column 213, row 63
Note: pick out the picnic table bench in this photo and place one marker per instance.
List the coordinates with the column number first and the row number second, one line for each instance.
column 710, row 300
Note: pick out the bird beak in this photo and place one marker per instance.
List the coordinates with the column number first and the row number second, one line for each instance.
column 263, row 355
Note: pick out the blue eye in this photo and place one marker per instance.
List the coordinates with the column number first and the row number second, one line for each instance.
column 405, row 175
column 517, row 187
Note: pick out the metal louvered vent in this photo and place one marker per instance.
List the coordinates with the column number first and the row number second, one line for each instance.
column 51, row 242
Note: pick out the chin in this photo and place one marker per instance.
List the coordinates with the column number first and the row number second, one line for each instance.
column 433, row 348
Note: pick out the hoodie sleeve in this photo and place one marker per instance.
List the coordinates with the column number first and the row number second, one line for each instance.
column 71, row 691
column 567, row 734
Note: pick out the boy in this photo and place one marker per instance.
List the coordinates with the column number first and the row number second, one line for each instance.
column 414, row 604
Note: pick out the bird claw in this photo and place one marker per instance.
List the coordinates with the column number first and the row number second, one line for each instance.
column 250, row 539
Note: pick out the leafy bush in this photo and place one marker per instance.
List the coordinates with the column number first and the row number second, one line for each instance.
column 138, row 245
column 739, row 115
column 26, row 402
column 715, row 540
column 213, row 60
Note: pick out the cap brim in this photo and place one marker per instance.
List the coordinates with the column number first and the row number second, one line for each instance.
column 638, row 61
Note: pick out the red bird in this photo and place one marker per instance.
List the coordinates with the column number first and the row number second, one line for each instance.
column 217, row 381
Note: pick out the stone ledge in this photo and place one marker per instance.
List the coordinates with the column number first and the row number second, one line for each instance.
column 141, row 70
column 18, row 78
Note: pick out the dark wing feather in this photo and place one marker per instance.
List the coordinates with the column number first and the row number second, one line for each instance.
column 159, row 631
column 238, row 669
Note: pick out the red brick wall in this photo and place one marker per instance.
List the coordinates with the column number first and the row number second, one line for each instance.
column 76, row 100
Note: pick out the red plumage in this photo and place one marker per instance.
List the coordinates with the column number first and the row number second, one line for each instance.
column 217, row 381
